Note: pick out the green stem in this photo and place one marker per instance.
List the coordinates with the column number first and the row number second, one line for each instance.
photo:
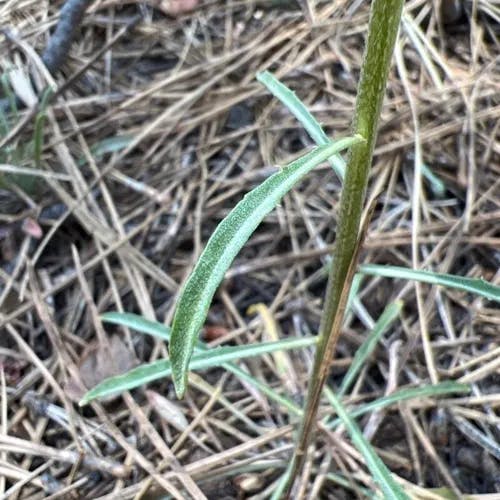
column 382, row 31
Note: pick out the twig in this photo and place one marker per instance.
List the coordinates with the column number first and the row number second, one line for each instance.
column 17, row 445
column 60, row 42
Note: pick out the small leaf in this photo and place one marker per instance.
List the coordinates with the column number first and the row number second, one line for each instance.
column 225, row 243
column 138, row 323
column 379, row 471
column 9, row 93
column 390, row 313
column 303, row 115
column 220, row 356
column 156, row 329
column 427, row 391
column 141, row 375
column 472, row 285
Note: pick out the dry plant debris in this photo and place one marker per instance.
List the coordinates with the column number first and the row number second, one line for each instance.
column 159, row 129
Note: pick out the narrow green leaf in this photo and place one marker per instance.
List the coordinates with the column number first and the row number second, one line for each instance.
column 134, row 378
column 390, row 313
column 161, row 331
column 222, row 248
column 472, row 285
column 157, row 370
column 440, row 389
column 281, row 484
column 138, row 323
column 303, row 115
column 221, row 355
column 200, row 361
column 379, row 471
column 354, row 291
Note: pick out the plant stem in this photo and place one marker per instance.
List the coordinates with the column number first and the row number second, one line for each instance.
column 382, row 31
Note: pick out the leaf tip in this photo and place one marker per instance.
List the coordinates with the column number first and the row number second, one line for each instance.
column 180, row 385
column 84, row 401
column 180, row 354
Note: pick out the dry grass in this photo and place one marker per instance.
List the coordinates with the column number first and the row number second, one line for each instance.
column 122, row 232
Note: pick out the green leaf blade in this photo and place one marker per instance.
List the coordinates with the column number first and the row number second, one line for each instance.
column 389, row 315
column 303, row 115
column 428, row 391
column 221, row 249
column 477, row 286
column 134, row 378
column 209, row 358
column 138, row 323
column 378, row 469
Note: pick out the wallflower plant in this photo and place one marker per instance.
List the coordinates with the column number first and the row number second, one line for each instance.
column 188, row 353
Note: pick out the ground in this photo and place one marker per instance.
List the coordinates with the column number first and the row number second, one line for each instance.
column 159, row 128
